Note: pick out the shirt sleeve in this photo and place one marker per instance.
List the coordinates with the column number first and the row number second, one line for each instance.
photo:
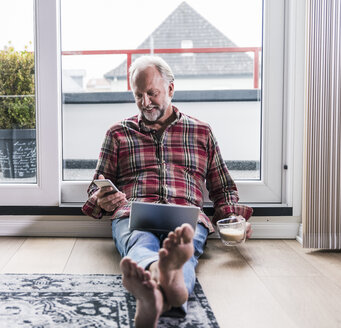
column 91, row 208
column 221, row 187
column 106, row 165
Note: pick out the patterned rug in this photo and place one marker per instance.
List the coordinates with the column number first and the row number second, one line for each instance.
column 87, row 301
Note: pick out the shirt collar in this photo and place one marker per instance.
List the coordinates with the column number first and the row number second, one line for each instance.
column 145, row 128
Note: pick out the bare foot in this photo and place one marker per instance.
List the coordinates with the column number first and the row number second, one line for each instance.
column 177, row 250
column 149, row 299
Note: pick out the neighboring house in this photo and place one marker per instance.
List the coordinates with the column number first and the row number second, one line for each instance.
column 186, row 28
column 73, row 80
column 99, row 84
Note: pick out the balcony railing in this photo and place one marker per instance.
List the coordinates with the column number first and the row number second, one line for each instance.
column 129, row 53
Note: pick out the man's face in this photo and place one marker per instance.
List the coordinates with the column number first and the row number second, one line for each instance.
column 153, row 95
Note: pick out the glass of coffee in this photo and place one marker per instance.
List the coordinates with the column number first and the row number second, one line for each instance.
column 232, row 230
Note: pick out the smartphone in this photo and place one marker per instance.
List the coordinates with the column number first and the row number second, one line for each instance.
column 106, row 183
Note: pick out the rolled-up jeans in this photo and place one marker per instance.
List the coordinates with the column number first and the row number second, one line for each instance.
column 143, row 247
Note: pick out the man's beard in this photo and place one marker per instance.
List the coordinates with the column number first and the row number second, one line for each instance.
column 154, row 115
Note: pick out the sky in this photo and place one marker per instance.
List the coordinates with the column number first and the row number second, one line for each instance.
column 112, row 24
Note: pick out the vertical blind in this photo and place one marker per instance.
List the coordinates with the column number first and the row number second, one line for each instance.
column 321, row 210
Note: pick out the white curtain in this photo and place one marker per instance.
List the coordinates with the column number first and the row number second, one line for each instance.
column 321, row 210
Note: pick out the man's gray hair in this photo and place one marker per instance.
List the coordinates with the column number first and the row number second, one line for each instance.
column 147, row 61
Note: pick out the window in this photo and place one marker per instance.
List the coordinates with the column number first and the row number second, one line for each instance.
column 219, row 80
column 224, row 39
column 39, row 184
column 66, row 160
column 18, row 160
column 187, row 44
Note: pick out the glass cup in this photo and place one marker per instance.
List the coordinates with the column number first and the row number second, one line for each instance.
column 232, row 230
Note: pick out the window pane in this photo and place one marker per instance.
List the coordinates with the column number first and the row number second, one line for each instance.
column 214, row 48
column 17, row 95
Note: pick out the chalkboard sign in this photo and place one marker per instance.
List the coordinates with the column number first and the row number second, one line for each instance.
column 18, row 157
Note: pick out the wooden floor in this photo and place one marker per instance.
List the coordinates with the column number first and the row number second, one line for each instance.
column 264, row 283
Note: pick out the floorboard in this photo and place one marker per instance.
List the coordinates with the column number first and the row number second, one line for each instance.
column 8, row 247
column 93, row 255
column 326, row 262
column 41, row 255
column 236, row 294
column 262, row 283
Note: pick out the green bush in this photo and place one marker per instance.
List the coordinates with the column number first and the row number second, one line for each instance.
column 17, row 101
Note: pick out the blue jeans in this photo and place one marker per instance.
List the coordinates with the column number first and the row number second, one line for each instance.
column 143, row 247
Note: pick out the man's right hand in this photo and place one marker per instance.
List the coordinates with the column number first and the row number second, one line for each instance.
column 109, row 202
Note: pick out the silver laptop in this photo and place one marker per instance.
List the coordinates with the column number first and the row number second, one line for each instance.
column 161, row 217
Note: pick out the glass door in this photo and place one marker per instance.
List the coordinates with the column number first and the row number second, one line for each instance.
column 18, row 156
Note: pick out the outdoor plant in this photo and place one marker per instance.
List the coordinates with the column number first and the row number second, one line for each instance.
column 17, row 101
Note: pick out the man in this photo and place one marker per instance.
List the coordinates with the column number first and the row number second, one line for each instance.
column 164, row 156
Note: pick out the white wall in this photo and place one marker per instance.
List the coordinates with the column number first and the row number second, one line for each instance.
column 236, row 126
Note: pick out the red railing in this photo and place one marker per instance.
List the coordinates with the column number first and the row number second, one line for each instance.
column 129, row 53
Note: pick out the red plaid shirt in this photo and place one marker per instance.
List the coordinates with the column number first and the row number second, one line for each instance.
column 172, row 168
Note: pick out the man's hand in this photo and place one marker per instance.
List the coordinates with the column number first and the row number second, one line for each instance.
column 108, row 201
column 248, row 230
column 248, row 227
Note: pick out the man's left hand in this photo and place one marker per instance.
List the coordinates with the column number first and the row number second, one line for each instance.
column 248, row 227
column 248, row 230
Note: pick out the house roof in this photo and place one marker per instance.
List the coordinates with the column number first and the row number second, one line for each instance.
column 70, row 84
column 184, row 23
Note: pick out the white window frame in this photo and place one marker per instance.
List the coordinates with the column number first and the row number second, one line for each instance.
column 269, row 188
column 46, row 192
column 51, row 191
